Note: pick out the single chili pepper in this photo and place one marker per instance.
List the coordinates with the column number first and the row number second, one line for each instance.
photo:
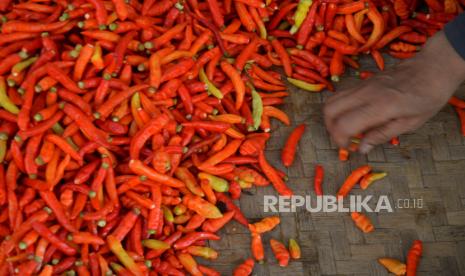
column 139, row 168
column 257, row 247
column 44, row 232
column 353, row 179
column 280, row 252
column 201, row 207
column 391, row 35
column 218, row 184
column 394, row 266
column 273, row 176
column 236, row 79
column 294, row 249
column 413, row 37
column 362, row 222
column 318, row 180
column 403, row 47
column 288, row 152
column 306, row 86
column 368, row 179
column 115, row 246
column 413, row 257
column 265, row 225
column 283, row 55
column 245, row 268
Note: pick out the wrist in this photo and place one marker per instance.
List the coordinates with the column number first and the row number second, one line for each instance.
column 437, row 67
column 442, row 60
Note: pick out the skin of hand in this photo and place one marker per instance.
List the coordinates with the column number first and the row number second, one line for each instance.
column 398, row 100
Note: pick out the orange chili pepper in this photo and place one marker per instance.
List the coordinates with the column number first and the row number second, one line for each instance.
column 280, row 252
column 362, row 222
column 353, row 179
column 245, row 268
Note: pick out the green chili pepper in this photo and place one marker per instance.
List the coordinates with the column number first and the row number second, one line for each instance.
column 155, row 244
column 167, row 214
column 20, row 66
column 5, row 101
column 3, row 139
column 115, row 246
column 57, row 128
column 257, row 107
column 300, row 14
column 306, row 86
column 210, row 86
column 218, row 184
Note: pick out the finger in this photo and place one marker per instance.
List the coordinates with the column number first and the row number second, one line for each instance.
column 382, row 134
column 359, row 120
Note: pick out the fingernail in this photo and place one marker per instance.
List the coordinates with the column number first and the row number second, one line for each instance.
column 365, row 148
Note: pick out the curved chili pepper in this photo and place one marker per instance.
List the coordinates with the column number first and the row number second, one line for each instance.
column 273, row 176
column 265, row 225
column 393, row 265
column 352, row 180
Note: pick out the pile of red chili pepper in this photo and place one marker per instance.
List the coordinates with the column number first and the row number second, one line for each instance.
column 127, row 128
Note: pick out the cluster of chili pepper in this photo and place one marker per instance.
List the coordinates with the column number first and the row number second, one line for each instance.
column 413, row 259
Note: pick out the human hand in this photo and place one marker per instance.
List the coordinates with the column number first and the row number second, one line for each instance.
column 396, row 101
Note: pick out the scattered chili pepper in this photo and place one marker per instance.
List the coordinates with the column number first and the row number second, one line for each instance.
column 290, row 147
column 369, row 178
column 352, row 180
column 245, row 268
column 413, row 257
column 280, row 252
column 362, row 222
column 294, row 249
column 393, row 265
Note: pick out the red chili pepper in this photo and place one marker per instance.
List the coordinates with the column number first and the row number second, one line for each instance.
column 413, row 257
column 280, row 252
column 290, row 147
column 273, row 176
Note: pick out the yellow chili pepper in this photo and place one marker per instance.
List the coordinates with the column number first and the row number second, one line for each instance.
column 368, row 179
column 3, row 139
column 300, row 14
column 218, row 184
column 257, row 107
column 20, row 66
column 210, row 86
column 167, row 214
column 115, row 246
column 155, row 244
column 306, row 86
column 5, row 101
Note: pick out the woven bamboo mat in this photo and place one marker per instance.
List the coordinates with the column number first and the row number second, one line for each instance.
column 429, row 164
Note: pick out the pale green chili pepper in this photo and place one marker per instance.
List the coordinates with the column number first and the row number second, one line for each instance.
column 5, row 101
column 257, row 107
column 3, row 140
column 217, row 183
column 20, row 66
column 300, row 14
column 210, row 86
column 306, row 86
column 167, row 214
